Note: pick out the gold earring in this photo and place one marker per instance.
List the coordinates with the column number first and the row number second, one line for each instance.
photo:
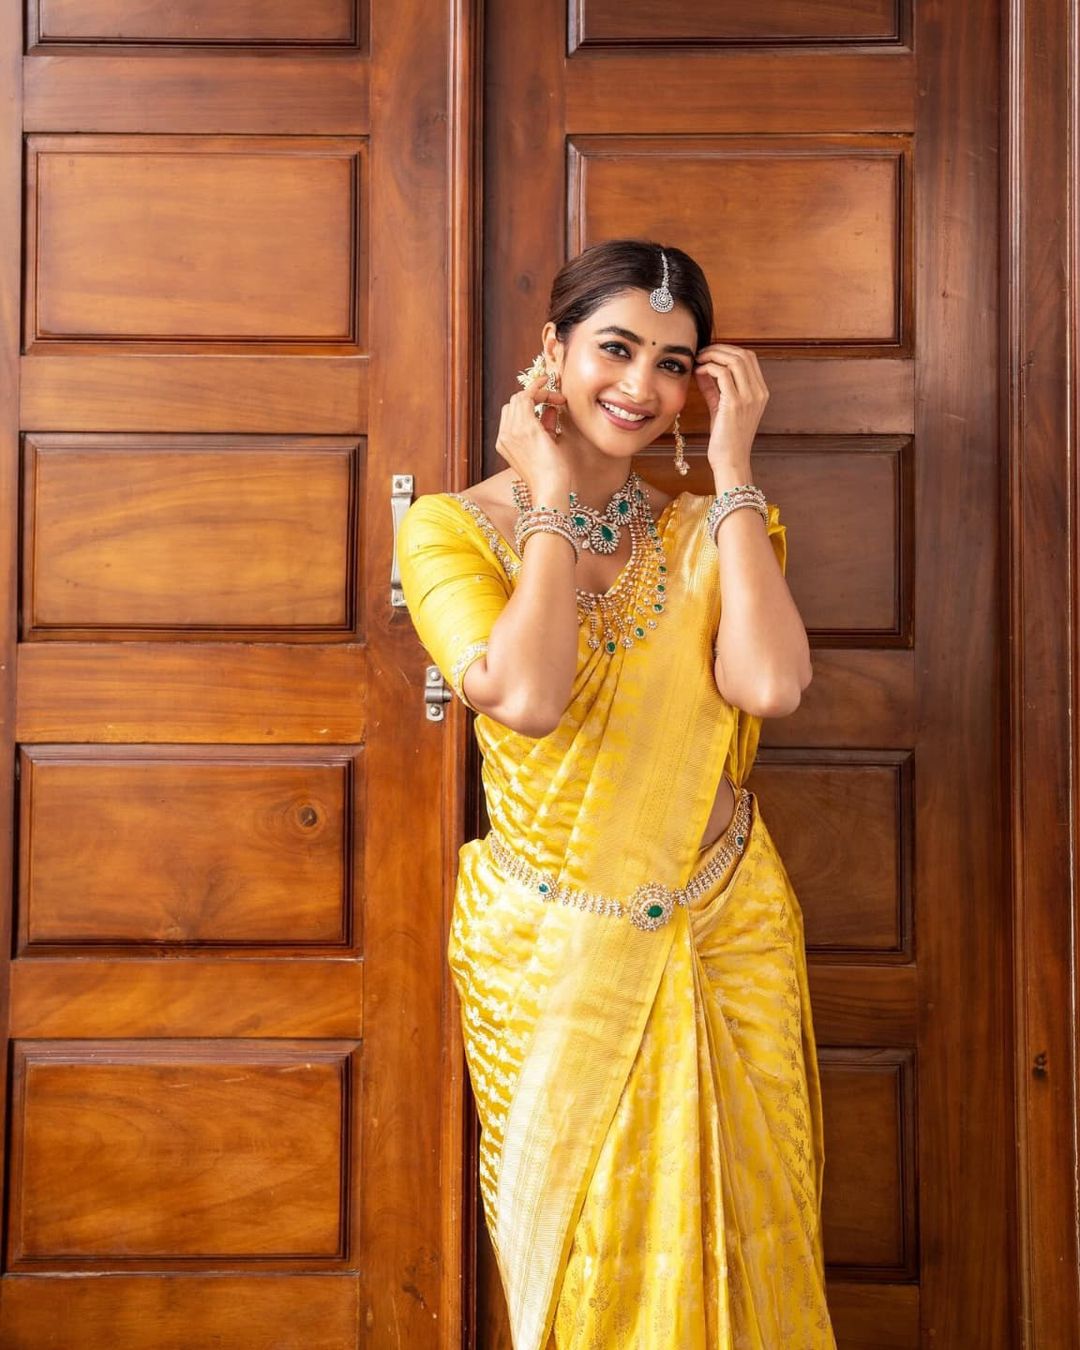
column 553, row 383
column 681, row 465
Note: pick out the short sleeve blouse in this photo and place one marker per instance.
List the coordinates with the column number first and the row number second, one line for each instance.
column 454, row 585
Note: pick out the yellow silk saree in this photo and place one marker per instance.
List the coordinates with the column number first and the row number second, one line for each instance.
column 651, row 1151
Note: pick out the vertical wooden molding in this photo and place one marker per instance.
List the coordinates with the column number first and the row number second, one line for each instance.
column 408, row 1277
column 967, row 1279
column 10, row 327
column 1039, row 292
column 462, row 761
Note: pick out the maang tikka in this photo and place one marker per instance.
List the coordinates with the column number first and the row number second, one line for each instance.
column 664, row 302
column 661, row 299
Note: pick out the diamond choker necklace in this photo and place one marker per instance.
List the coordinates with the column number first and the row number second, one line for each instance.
column 624, row 613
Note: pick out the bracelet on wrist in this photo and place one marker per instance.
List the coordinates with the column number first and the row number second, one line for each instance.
column 546, row 519
column 734, row 499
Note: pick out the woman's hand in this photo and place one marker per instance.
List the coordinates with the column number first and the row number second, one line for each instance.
column 528, row 444
column 735, row 390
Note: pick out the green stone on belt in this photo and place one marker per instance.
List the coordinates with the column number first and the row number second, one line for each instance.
column 611, row 645
column 544, row 887
column 639, row 631
column 654, row 911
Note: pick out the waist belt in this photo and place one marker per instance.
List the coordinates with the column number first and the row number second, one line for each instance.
column 652, row 904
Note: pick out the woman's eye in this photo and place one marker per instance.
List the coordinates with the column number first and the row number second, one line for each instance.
column 676, row 367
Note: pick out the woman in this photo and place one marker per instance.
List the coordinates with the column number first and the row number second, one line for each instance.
column 625, row 941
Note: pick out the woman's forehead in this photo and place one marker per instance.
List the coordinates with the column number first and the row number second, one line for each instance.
column 631, row 310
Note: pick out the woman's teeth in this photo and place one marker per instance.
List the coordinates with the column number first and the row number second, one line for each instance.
column 621, row 413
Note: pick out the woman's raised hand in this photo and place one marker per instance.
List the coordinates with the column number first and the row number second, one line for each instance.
column 528, row 444
column 734, row 388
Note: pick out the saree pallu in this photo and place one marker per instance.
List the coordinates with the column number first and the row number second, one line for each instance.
column 651, row 1148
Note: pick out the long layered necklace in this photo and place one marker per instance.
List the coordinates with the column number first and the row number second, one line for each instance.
column 625, row 613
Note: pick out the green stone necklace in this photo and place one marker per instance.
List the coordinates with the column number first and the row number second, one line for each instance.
column 624, row 613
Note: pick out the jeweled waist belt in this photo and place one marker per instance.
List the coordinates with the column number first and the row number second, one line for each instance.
column 651, row 904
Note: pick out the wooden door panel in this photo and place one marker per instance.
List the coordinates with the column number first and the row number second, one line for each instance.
column 197, row 22
column 611, row 22
column 225, row 537
column 195, row 393
column 176, row 1312
column 829, row 192
column 194, row 239
column 844, row 828
column 871, row 1222
column 103, row 996
column 806, row 234
column 81, row 691
column 124, row 850
column 123, row 1152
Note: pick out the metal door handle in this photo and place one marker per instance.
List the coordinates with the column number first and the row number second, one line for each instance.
column 401, row 495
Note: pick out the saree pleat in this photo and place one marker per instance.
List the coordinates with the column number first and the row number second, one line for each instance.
column 701, row 1226
column 651, row 1147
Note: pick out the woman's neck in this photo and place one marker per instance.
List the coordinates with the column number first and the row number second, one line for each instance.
column 595, row 476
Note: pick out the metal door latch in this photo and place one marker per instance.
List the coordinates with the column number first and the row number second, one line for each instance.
column 436, row 694
column 401, row 495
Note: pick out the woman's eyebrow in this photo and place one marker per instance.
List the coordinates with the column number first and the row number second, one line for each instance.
column 633, row 337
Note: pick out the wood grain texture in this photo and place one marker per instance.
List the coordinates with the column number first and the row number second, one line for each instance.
column 158, row 691
column 965, row 1192
column 195, row 22
column 844, row 827
column 133, row 847
column 406, row 1273
column 151, row 533
column 614, row 22
column 869, row 1215
column 302, row 395
column 815, row 245
column 179, row 1311
column 195, row 239
column 760, row 89
column 225, row 92
column 11, row 110
column 123, row 1152
column 1042, row 289
column 91, row 996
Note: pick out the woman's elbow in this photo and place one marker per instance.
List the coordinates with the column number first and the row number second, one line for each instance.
column 778, row 700
column 529, row 717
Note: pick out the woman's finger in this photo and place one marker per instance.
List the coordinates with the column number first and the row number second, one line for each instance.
column 727, row 378
column 737, row 366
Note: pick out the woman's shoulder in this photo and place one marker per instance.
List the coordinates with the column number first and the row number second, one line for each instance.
column 456, row 520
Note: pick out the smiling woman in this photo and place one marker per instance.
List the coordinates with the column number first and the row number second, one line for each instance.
column 625, row 942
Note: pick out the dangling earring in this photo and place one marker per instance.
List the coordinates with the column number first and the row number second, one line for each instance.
column 553, row 383
column 681, row 465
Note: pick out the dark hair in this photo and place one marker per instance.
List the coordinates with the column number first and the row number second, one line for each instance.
column 604, row 270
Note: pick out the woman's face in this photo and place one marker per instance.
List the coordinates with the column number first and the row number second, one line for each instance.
column 627, row 355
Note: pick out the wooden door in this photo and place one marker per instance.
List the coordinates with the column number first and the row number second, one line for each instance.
column 224, row 225
column 834, row 169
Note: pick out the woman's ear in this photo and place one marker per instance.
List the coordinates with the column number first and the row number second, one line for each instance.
column 553, row 348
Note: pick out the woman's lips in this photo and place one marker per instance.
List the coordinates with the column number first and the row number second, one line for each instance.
column 621, row 422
